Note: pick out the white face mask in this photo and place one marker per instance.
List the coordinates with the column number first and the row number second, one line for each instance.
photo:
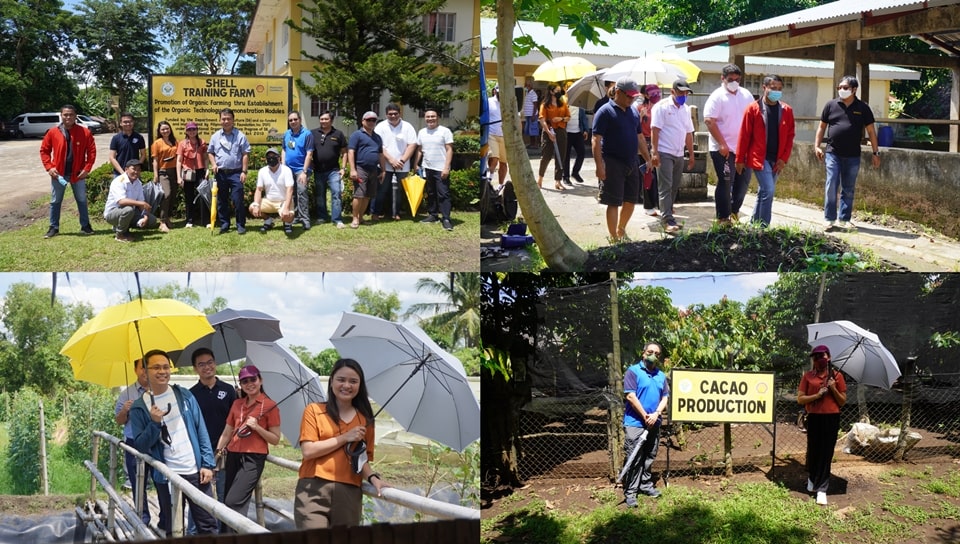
column 845, row 93
column 732, row 86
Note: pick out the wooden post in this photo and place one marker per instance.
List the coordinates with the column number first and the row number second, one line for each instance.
column 258, row 500
column 44, row 482
column 615, row 382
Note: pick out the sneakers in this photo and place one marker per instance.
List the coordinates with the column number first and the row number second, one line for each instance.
column 671, row 226
column 51, row 232
column 241, row 229
column 123, row 237
column 267, row 225
column 189, row 225
column 846, row 225
column 447, row 225
column 631, row 502
column 306, row 225
column 86, row 230
column 828, row 226
column 577, row 178
column 656, row 493
column 809, row 485
column 224, row 230
column 652, row 212
column 288, row 229
column 340, row 225
column 430, row 219
column 821, row 498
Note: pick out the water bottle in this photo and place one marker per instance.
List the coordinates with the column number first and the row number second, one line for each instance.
column 62, row 180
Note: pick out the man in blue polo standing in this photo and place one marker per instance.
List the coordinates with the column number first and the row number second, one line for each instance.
column 296, row 155
column 367, row 165
column 647, row 391
column 229, row 152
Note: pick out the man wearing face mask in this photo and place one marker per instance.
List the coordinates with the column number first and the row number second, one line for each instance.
column 276, row 180
column 845, row 117
column 671, row 130
column 723, row 114
column 647, row 392
column 822, row 393
column 765, row 143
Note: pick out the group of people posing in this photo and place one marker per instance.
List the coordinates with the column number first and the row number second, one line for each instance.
column 378, row 156
column 747, row 134
column 215, row 433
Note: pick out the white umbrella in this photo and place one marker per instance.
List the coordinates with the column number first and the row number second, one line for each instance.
column 856, row 351
column 645, row 70
column 422, row 386
column 288, row 382
column 587, row 90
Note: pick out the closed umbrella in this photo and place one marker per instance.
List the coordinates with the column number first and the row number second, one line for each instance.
column 856, row 352
column 563, row 69
column 413, row 185
column 288, row 382
column 422, row 386
column 231, row 330
column 102, row 349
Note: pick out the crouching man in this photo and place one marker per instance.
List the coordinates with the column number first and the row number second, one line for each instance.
column 126, row 204
column 276, row 180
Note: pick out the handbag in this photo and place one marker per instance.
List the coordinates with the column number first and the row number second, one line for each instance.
column 189, row 175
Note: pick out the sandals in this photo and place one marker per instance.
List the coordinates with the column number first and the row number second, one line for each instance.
column 354, row 225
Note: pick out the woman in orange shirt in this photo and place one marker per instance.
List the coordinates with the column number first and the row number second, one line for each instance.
column 191, row 169
column 256, row 421
column 822, row 392
column 164, row 153
column 554, row 115
column 328, row 491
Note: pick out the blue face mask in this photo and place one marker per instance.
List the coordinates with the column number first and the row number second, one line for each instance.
column 680, row 99
column 775, row 96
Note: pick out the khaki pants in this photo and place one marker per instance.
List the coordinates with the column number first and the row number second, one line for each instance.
column 314, row 503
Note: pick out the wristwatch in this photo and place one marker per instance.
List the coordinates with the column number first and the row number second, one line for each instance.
column 876, row 153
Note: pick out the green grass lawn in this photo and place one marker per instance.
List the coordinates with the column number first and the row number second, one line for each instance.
column 403, row 245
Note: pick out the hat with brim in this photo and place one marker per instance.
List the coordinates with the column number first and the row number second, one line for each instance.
column 681, row 85
column 628, row 87
column 272, row 150
column 133, row 162
column 248, row 371
column 820, row 349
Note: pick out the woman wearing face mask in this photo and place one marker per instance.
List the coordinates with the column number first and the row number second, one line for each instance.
column 765, row 143
column 647, row 392
column 822, row 393
column 554, row 115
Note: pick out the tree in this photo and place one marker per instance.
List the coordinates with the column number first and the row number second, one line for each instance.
column 458, row 317
column 116, row 44
column 34, row 332
column 376, row 303
column 216, row 305
column 34, row 56
column 175, row 291
column 207, row 33
column 364, row 54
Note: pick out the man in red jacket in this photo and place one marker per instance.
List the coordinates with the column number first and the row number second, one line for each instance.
column 765, row 143
column 68, row 153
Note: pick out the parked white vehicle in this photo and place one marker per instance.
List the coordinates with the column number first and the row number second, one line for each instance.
column 35, row 125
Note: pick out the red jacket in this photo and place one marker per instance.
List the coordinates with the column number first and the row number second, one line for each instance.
column 53, row 151
column 752, row 144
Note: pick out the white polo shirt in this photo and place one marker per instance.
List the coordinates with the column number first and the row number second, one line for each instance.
column 674, row 123
column 727, row 108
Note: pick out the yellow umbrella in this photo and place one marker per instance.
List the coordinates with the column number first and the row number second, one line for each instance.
column 413, row 185
column 213, row 205
column 102, row 349
column 563, row 69
column 690, row 70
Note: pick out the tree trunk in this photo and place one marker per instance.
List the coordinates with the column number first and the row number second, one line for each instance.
column 559, row 251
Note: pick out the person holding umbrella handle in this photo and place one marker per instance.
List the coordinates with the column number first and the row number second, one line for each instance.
column 822, row 393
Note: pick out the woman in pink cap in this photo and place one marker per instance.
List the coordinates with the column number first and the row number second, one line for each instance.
column 822, row 393
column 252, row 424
column 191, row 169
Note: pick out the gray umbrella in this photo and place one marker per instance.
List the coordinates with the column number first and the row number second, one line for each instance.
column 231, row 330
column 631, row 467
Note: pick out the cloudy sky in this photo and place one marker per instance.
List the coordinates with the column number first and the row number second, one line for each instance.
column 308, row 305
column 707, row 288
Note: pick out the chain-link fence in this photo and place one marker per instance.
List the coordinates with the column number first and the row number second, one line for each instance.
column 568, row 437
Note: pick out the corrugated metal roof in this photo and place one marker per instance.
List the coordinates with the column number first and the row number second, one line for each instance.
column 835, row 12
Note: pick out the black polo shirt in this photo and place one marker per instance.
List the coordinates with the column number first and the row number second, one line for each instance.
column 845, row 126
column 327, row 149
column 215, row 403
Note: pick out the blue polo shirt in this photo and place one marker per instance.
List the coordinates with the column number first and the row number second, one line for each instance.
column 228, row 149
column 295, row 147
column 127, row 147
column 649, row 387
column 619, row 129
column 367, row 148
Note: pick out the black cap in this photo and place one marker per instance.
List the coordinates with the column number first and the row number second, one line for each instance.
column 133, row 162
column 681, row 85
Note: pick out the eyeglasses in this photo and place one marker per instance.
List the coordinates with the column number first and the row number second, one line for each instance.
column 245, row 381
column 209, row 362
column 370, row 119
column 292, row 119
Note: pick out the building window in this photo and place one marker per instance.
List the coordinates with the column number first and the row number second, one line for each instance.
column 318, row 106
column 441, row 25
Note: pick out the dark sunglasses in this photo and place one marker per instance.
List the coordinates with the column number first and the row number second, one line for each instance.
column 245, row 381
column 819, row 355
column 322, row 138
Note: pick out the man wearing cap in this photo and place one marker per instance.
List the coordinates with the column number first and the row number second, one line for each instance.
column 215, row 397
column 296, row 155
column 723, row 114
column 822, row 393
column 229, row 152
column 276, row 180
column 168, row 426
column 367, row 165
column 671, row 128
column 435, row 143
column 126, row 204
column 616, row 144
column 399, row 144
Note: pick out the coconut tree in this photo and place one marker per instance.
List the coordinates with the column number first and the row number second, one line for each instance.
column 458, row 316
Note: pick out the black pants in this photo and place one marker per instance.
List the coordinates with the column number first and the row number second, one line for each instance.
column 205, row 522
column 822, row 432
column 438, row 194
column 574, row 142
column 243, row 472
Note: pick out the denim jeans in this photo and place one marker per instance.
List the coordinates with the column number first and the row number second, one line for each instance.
column 56, row 200
column 230, row 189
column 730, row 193
column 204, row 521
column 766, row 179
column 389, row 193
column 331, row 179
column 841, row 177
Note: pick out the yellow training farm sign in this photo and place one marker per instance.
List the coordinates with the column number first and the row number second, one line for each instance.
column 721, row 397
column 260, row 104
